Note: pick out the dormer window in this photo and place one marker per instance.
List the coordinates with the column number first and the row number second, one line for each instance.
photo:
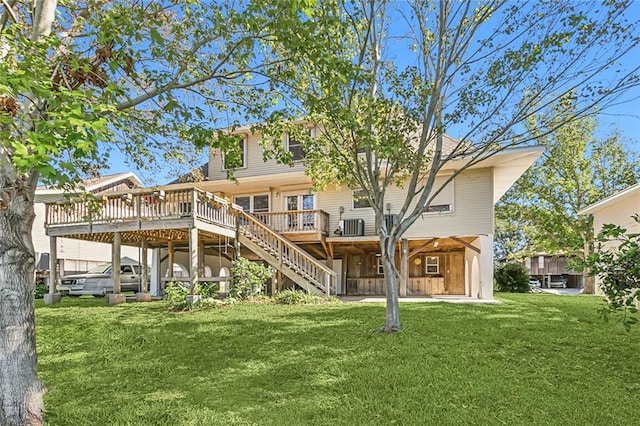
column 236, row 162
column 295, row 147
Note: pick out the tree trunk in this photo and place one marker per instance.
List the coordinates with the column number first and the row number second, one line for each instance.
column 392, row 320
column 588, row 282
column 20, row 390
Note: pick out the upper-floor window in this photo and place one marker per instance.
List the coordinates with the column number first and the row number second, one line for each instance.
column 239, row 162
column 295, row 147
column 360, row 199
column 437, row 208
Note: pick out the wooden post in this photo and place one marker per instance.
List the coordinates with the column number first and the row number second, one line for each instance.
column 201, row 258
column 115, row 262
column 53, row 296
column 193, row 256
column 53, row 264
column 145, row 266
column 404, row 267
column 345, row 271
column 171, row 259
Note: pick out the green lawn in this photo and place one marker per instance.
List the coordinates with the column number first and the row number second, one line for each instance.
column 536, row 359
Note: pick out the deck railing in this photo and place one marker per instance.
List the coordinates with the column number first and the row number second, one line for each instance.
column 288, row 253
column 301, row 221
column 143, row 205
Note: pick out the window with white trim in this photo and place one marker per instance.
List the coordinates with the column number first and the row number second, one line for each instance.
column 432, row 264
column 437, row 208
column 360, row 199
column 295, row 147
column 253, row 203
column 379, row 264
column 238, row 162
column 444, row 201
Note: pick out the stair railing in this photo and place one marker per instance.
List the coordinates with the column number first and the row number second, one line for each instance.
column 288, row 253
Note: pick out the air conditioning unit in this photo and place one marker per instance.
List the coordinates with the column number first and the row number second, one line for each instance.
column 352, row 227
column 390, row 220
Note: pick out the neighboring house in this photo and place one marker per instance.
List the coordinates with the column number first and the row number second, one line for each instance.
column 75, row 255
column 552, row 270
column 324, row 242
column 617, row 209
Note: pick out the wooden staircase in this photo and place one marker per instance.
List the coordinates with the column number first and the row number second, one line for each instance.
column 284, row 255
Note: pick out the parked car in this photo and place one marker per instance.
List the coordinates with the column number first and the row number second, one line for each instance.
column 558, row 282
column 97, row 281
column 534, row 282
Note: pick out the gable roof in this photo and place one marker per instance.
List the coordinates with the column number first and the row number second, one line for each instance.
column 615, row 198
column 199, row 173
column 95, row 184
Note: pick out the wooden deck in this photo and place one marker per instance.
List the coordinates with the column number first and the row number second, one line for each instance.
column 167, row 215
column 157, row 215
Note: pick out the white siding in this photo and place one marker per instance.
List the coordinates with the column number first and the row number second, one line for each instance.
column 77, row 255
column 255, row 166
column 619, row 213
column 472, row 208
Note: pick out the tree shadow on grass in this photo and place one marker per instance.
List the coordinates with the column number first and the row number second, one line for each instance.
column 325, row 364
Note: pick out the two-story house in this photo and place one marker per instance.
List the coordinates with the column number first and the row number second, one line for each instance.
column 323, row 241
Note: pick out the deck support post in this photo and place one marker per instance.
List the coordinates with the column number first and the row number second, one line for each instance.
column 171, row 260
column 193, row 256
column 404, row 267
column 144, row 295
column 53, row 296
column 145, row 266
column 345, row 271
column 156, row 273
column 201, row 257
column 116, row 297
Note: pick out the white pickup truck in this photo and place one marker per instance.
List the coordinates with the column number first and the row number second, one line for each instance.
column 97, row 281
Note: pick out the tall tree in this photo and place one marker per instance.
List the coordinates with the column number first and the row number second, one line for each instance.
column 394, row 77
column 78, row 79
column 576, row 170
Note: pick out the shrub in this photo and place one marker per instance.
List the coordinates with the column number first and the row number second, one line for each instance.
column 176, row 295
column 512, row 278
column 209, row 290
column 616, row 262
column 40, row 291
column 248, row 279
column 299, row 297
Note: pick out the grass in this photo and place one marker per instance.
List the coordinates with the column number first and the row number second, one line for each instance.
column 536, row 359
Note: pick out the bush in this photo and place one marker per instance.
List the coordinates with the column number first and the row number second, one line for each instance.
column 299, row 297
column 209, row 290
column 512, row 278
column 248, row 279
column 176, row 295
column 616, row 262
column 40, row 291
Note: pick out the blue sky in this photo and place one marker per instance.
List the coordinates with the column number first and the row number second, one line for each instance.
column 623, row 118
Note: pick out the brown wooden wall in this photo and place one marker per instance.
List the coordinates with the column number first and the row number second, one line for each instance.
column 363, row 278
